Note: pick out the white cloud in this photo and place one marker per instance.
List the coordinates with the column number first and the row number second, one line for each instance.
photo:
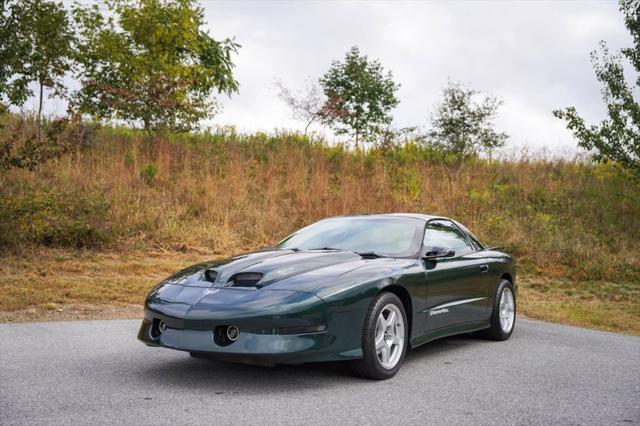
column 534, row 55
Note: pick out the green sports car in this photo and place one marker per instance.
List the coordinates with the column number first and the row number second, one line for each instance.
column 360, row 288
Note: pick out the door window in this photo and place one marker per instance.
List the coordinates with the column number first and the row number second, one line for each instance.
column 442, row 233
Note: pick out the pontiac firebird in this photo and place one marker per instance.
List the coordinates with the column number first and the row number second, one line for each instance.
column 360, row 288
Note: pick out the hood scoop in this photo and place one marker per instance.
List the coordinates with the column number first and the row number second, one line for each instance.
column 245, row 279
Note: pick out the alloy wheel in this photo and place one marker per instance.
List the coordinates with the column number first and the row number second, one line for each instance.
column 389, row 340
column 507, row 310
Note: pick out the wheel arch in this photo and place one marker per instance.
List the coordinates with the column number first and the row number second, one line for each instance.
column 511, row 277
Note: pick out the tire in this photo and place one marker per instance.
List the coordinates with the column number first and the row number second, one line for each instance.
column 390, row 347
column 499, row 329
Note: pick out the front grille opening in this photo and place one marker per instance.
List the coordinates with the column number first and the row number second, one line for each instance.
column 301, row 329
column 245, row 279
column 156, row 328
column 293, row 330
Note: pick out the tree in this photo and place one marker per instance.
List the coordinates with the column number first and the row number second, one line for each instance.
column 151, row 62
column 8, row 51
column 360, row 96
column 617, row 138
column 394, row 137
column 463, row 125
column 36, row 47
column 305, row 105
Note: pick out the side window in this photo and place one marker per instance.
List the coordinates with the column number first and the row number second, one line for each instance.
column 476, row 243
column 442, row 233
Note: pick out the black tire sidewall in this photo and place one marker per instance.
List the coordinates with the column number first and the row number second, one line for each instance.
column 370, row 357
column 496, row 326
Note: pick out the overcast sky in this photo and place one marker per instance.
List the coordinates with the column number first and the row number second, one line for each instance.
column 534, row 55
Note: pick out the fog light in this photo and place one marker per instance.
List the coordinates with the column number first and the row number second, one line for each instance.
column 233, row 333
column 162, row 326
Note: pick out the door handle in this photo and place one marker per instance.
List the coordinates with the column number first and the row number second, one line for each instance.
column 484, row 268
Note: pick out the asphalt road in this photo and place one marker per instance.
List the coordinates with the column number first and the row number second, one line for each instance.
column 96, row 372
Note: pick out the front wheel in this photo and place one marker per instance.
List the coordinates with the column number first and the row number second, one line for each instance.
column 503, row 317
column 384, row 338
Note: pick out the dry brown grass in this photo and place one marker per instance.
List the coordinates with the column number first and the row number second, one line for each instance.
column 595, row 304
column 50, row 278
column 220, row 194
column 61, row 284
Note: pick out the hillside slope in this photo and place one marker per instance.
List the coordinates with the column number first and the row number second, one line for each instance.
column 574, row 228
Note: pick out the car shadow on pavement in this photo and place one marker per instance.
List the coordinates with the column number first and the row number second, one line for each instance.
column 441, row 346
column 227, row 377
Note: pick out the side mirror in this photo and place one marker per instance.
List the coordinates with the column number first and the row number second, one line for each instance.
column 434, row 253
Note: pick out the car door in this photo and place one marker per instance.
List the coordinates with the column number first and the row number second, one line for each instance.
column 456, row 291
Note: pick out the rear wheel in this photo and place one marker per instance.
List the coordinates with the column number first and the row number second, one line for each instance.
column 503, row 317
column 384, row 338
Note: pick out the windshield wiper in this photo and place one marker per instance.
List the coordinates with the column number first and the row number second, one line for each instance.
column 370, row 254
column 367, row 254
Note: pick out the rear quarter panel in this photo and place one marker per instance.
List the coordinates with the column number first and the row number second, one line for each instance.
column 501, row 265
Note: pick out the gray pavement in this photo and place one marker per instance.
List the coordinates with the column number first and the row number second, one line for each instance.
column 96, row 372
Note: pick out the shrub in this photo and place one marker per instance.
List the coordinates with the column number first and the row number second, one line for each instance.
column 23, row 146
column 54, row 219
column 149, row 172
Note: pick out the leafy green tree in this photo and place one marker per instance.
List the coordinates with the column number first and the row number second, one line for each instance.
column 151, row 62
column 360, row 96
column 617, row 138
column 463, row 124
column 8, row 51
column 36, row 48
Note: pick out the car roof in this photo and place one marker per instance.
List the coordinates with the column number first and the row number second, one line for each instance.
column 425, row 217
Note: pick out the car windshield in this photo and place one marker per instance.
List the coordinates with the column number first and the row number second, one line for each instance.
column 384, row 236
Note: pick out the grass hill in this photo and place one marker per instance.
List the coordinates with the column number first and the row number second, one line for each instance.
column 103, row 223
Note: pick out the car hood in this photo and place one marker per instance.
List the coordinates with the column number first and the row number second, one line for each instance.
column 290, row 283
column 281, row 269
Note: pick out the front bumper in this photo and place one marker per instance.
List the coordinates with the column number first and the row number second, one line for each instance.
column 269, row 331
column 285, row 349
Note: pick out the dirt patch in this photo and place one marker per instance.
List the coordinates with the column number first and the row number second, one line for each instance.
column 73, row 312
